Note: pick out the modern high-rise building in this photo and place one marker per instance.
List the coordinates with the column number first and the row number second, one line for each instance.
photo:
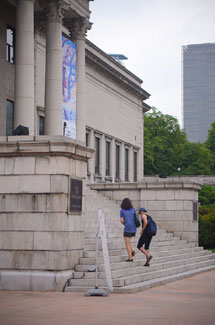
column 198, row 90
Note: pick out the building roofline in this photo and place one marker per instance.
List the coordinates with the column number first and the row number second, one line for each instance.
column 113, row 61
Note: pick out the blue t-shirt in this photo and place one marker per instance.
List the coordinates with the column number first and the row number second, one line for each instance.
column 129, row 221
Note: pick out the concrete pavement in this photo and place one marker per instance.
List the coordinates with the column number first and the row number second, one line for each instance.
column 185, row 302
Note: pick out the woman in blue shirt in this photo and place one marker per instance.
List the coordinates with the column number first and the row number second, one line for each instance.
column 127, row 218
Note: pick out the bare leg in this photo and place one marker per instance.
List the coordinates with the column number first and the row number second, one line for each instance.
column 144, row 251
column 128, row 247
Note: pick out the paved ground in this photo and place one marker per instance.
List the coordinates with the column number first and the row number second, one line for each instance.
column 190, row 301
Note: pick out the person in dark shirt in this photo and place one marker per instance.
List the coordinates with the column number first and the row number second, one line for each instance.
column 127, row 214
column 145, row 238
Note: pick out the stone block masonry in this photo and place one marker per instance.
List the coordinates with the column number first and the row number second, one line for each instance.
column 169, row 201
column 40, row 239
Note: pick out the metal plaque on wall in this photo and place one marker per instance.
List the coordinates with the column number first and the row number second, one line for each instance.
column 195, row 211
column 75, row 195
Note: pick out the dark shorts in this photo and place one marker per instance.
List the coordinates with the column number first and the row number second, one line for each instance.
column 144, row 240
column 129, row 234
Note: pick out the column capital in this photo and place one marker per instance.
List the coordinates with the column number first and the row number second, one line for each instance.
column 54, row 9
column 78, row 27
column 40, row 24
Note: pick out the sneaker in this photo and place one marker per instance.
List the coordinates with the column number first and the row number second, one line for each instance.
column 149, row 258
column 129, row 260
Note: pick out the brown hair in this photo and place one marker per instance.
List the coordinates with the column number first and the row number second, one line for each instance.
column 126, row 204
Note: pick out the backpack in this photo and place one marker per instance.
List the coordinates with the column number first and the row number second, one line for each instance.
column 152, row 227
column 137, row 220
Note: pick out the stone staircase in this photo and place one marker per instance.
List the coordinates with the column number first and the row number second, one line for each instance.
column 173, row 258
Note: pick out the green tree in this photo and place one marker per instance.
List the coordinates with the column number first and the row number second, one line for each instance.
column 195, row 159
column 210, row 144
column 163, row 143
column 207, row 216
column 207, row 195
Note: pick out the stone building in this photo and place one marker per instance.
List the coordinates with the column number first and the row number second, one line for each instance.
column 31, row 86
column 70, row 115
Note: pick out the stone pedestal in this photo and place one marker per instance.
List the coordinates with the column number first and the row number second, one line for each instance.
column 40, row 239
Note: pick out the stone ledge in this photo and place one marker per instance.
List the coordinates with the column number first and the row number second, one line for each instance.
column 153, row 184
column 34, row 280
column 44, row 145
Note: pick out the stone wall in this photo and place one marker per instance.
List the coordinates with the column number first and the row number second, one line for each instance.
column 37, row 231
column 171, row 203
column 201, row 179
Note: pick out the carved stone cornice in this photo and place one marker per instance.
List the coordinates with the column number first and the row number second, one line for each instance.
column 54, row 9
column 95, row 61
column 146, row 107
column 77, row 27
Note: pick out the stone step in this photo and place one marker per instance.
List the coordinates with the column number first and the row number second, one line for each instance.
column 121, row 245
column 133, row 269
column 139, row 260
column 138, row 287
column 121, row 258
column 114, row 233
column 137, row 278
column 158, row 237
column 152, row 249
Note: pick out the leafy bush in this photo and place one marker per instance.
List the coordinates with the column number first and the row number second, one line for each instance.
column 207, row 195
column 207, row 228
column 207, row 217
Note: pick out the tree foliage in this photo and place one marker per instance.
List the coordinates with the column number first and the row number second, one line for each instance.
column 195, row 159
column 207, row 216
column 207, row 195
column 163, row 143
column 210, row 144
column 166, row 148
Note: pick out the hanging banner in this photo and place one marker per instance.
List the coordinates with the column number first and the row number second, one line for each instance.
column 102, row 232
column 69, row 66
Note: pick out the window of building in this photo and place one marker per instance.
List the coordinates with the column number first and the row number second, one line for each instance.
column 126, row 164
column 97, row 155
column 10, row 44
column 9, row 117
column 135, row 166
column 107, row 168
column 87, row 139
column 117, row 162
column 41, row 125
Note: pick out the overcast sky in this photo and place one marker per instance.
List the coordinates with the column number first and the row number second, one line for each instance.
column 150, row 33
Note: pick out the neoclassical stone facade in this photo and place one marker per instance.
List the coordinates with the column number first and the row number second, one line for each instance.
column 109, row 98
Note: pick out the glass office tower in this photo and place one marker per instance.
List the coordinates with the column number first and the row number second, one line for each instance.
column 198, row 90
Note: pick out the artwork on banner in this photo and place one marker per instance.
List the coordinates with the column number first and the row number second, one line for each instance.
column 69, row 87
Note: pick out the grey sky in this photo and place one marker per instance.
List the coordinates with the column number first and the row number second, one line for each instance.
column 150, row 33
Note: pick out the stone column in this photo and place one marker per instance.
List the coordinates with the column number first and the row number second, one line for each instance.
column 131, row 165
column 91, row 162
column 24, row 66
column 103, row 157
column 53, row 86
column 113, row 159
column 77, row 28
column 140, row 162
column 122, row 163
